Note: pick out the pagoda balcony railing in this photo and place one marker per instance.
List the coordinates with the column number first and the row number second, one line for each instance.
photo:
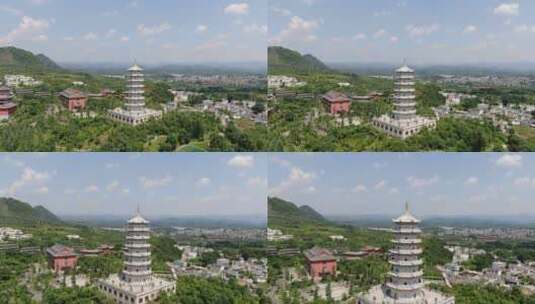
column 404, row 90
column 405, row 251
column 408, row 287
column 137, row 237
column 135, row 86
column 405, row 76
column 140, row 229
column 417, row 262
column 405, row 103
column 137, row 273
column 401, row 113
column 407, row 230
column 136, row 254
column 406, row 275
column 136, row 97
column 134, row 245
column 137, row 264
column 405, row 241
column 404, row 83
column 404, row 97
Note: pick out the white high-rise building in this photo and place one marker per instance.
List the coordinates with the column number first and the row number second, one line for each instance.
column 136, row 283
column 134, row 111
column 403, row 122
column 404, row 284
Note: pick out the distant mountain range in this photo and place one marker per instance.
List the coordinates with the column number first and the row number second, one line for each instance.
column 285, row 213
column 282, row 60
column 12, row 57
column 13, row 211
column 205, row 221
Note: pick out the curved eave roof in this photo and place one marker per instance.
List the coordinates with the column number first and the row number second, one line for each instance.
column 405, row 69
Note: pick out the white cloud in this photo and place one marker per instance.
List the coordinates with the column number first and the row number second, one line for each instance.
column 382, row 13
column 241, row 161
column 148, row 183
column 299, row 176
column 92, row 188
column 13, row 162
column 509, row 161
column 154, row 30
column 379, row 33
column 27, row 29
column 69, row 191
column 281, row 11
column 416, row 182
column 381, row 185
column 124, row 39
column 359, row 188
column 296, row 178
column 470, row 29
column 507, row 9
column 237, row 9
column 42, row 190
column 110, row 13
column 422, row 30
column 478, row 198
column 203, row 181
column 201, row 28
column 394, row 39
column 472, row 180
column 113, row 186
column 111, row 165
column 111, row 33
column 90, row 36
column 524, row 181
column 69, row 38
column 522, row 28
column 297, row 29
column 254, row 28
column 28, row 176
column 310, row 189
column 360, row 36
column 393, row 191
column 11, row 10
column 257, row 181
column 215, row 43
column 40, row 38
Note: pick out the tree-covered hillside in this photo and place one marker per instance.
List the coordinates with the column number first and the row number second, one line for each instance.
column 284, row 213
column 13, row 211
column 283, row 61
column 15, row 58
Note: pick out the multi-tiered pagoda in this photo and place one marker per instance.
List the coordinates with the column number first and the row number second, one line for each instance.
column 404, row 284
column 134, row 111
column 136, row 283
column 7, row 106
column 403, row 122
column 405, row 277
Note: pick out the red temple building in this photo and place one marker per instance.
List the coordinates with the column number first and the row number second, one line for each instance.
column 320, row 262
column 61, row 257
column 336, row 102
column 74, row 100
column 7, row 106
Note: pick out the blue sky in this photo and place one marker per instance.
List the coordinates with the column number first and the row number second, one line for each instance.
column 114, row 184
column 380, row 183
column 423, row 31
column 151, row 31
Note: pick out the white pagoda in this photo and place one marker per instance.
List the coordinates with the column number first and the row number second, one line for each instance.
column 136, row 283
column 404, row 284
column 134, row 111
column 403, row 122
